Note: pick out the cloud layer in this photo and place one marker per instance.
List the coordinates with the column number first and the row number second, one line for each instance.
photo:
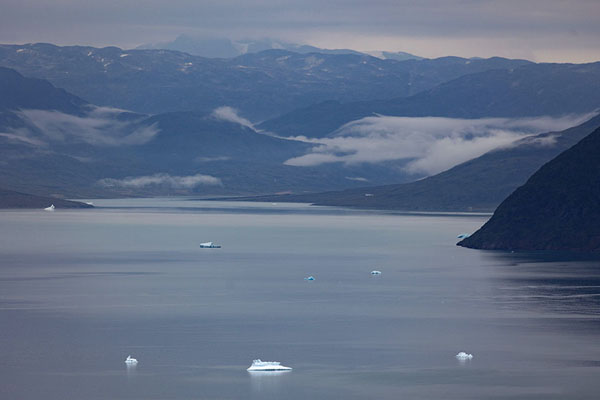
column 428, row 145
column 547, row 30
column 161, row 179
column 101, row 126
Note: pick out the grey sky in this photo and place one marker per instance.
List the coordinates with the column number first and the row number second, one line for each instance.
column 541, row 30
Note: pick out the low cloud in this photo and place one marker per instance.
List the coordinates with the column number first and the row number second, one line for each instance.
column 230, row 114
column 428, row 145
column 176, row 182
column 201, row 159
column 100, row 126
column 357, row 178
column 20, row 136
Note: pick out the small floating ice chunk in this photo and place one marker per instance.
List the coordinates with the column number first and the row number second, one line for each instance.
column 375, row 272
column 51, row 208
column 310, row 278
column 131, row 361
column 463, row 235
column 464, row 356
column 209, row 245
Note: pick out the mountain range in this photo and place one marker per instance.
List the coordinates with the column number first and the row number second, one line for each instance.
column 261, row 85
column 221, row 47
column 164, row 122
column 55, row 143
column 525, row 91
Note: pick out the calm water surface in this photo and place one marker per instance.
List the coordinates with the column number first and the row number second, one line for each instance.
column 82, row 289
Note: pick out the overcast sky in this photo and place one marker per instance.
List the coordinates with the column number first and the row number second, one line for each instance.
column 539, row 30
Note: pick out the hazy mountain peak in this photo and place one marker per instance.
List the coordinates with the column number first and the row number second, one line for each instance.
column 221, row 47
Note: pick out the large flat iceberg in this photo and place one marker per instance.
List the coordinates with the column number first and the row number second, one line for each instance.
column 259, row 365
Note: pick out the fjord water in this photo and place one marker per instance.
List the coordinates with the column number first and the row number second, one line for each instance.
column 80, row 290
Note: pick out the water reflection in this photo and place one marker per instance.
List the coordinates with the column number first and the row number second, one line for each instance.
column 463, row 361
column 267, row 381
column 131, row 370
column 555, row 282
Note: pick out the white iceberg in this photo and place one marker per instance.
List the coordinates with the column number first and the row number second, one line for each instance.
column 209, row 245
column 463, row 235
column 375, row 272
column 131, row 361
column 464, row 356
column 258, row 365
column 310, row 278
column 51, row 208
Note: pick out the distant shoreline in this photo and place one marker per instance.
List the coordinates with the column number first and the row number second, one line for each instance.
column 10, row 199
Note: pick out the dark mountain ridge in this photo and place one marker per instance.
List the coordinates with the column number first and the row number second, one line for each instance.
column 19, row 92
column 558, row 208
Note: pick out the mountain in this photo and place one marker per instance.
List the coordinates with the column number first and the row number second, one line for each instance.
column 556, row 209
column 479, row 184
column 198, row 46
column 528, row 90
column 220, row 47
column 261, row 85
column 178, row 153
column 42, row 132
column 20, row 92
column 12, row 199
column 395, row 55
column 66, row 147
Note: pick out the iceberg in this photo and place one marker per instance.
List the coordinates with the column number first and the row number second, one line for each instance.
column 310, row 278
column 375, row 272
column 258, row 365
column 463, row 235
column 51, row 208
column 209, row 245
column 131, row 361
column 462, row 356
